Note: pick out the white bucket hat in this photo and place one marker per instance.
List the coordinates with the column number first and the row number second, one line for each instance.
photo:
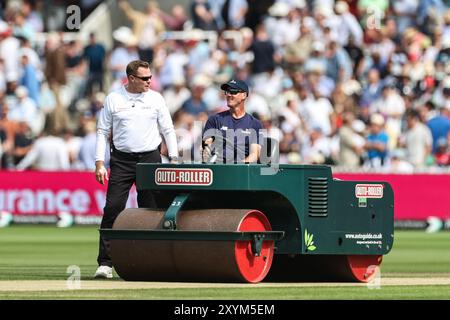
column 125, row 35
column 279, row 9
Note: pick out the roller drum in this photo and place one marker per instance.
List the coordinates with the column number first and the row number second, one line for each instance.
column 186, row 260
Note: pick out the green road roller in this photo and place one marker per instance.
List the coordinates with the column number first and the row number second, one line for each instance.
column 252, row 222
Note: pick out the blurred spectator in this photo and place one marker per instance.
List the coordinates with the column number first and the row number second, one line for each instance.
column 30, row 79
column 87, row 147
column 446, row 28
column 9, row 52
column 392, row 106
column 95, row 54
column 377, row 142
column 228, row 14
column 316, row 148
column 47, row 98
column 22, row 28
column 189, row 136
column 398, row 164
column 96, row 104
column 372, row 90
column 305, row 98
column 271, row 131
column 405, row 85
column 147, row 26
column 339, row 67
column 355, row 53
column 55, row 64
column 257, row 9
column 49, row 152
column 2, row 78
column 316, row 60
column 289, row 144
column 202, row 15
column 442, row 153
column 439, row 126
column 176, row 19
column 290, row 113
column 7, row 131
column 22, row 141
column 55, row 15
column 270, row 84
column 257, row 104
column 282, row 24
column 319, row 113
column 417, row 140
column 176, row 95
column 351, row 143
column 195, row 105
column 73, row 144
column 405, row 11
column 233, row 13
column 33, row 15
column 430, row 15
column 298, row 51
column 33, row 58
column 123, row 53
column 75, row 70
column 349, row 28
column 381, row 48
column 224, row 70
column 174, row 64
column 25, row 109
column 263, row 52
column 198, row 52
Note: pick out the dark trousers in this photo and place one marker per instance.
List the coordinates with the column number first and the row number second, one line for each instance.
column 121, row 179
column 95, row 78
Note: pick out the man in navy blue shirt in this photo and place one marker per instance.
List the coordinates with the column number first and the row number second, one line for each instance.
column 232, row 136
column 95, row 54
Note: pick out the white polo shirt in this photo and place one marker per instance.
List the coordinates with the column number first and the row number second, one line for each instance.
column 136, row 121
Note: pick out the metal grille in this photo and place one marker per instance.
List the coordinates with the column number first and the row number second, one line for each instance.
column 318, row 197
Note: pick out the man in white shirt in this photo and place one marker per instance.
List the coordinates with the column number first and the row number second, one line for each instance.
column 49, row 152
column 417, row 140
column 135, row 115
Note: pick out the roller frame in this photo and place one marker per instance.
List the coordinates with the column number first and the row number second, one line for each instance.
column 295, row 200
column 170, row 224
column 170, row 217
column 256, row 238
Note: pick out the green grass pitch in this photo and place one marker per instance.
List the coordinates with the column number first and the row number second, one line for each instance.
column 45, row 252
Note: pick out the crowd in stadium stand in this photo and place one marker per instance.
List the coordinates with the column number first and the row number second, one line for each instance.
column 358, row 84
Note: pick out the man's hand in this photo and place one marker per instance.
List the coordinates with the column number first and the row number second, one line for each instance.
column 206, row 153
column 255, row 152
column 101, row 174
column 206, row 150
column 173, row 160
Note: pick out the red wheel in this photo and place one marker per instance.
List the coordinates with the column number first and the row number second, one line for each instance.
column 364, row 267
column 254, row 268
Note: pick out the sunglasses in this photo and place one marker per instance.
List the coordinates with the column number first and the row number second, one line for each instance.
column 143, row 78
column 233, row 93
